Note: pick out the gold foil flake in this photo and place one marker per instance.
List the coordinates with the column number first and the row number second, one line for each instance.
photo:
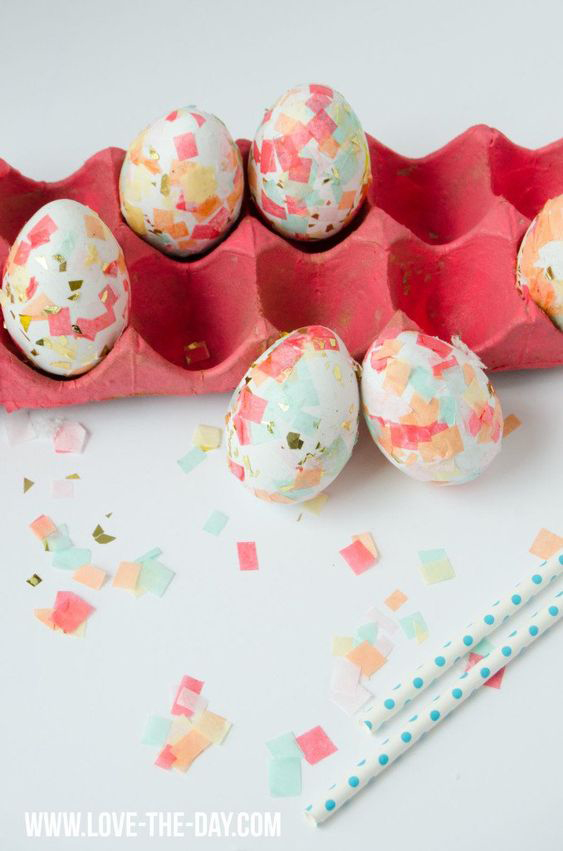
column 75, row 285
column 154, row 155
column 72, row 476
column 549, row 273
column 27, row 485
column 34, row 580
column 25, row 322
column 104, row 297
column 40, row 342
column 61, row 364
column 165, row 185
column 92, row 255
column 52, row 309
column 77, row 329
column 34, row 353
column 101, row 537
column 270, row 426
column 347, row 425
column 73, row 297
column 294, row 440
column 337, row 373
column 42, row 262
column 58, row 258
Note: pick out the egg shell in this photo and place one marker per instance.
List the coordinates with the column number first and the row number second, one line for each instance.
column 540, row 261
column 430, row 408
column 309, row 165
column 293, row 419
column 182, row 182
column 65, row 293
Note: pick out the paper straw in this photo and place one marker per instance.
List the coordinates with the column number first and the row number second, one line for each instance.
column 434, row 712
column 452, row 651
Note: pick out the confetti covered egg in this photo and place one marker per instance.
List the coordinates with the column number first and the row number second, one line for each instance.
column 430, row 408
column 540, row 261
column 309, row 166
column 182, row 182
column 65, row 294
column 293, row 419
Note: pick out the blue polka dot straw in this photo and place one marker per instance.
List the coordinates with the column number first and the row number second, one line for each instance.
column 431, row 716
column 484, row 625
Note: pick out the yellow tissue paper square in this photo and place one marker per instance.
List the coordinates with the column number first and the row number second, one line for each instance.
column 207, row 437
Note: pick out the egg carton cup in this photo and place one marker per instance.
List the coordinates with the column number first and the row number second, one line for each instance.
column 437, row 239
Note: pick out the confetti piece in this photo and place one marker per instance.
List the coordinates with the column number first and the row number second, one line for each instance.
column 410, row 624
column 178, row 729
column 191, row 459
column 46, row 617
column 216, row 522
column 484, row 647
column 34, row 580
column 315, row 745
column 316, row 504
column 186, row 683
column 395, row 600
column 70, row 436
column 546, row 544
column 71, row 558
column 74, row 476
column 155, row 553
column 511, row 423
column 27, row 485
column 196, row 352
column 366, row 538
column 247, row 556
column 367, row 657
column 102, row 537
column 345, row 676
column 127, row 575
column 19, row 428
column 93, row 577
column 384, row 645
column 191, row 702
column 62, row 489
column 383, row 620
column 207, row 437
column 285, row 777
column 493, row 682
column 352, row 703
column 342, row 644
column 420, row 632
column 70, row 611
column 187, row 749
column 166, row 758
column 368, row 632
column 358, row 557
column 58, row 540
column 154, row 577
column 435, row 566
column 214, row 727
column 156, row 731
column 284, row 747
column 42, row 527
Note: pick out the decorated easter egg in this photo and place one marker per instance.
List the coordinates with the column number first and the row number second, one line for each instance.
column 182, row 182
column 65, row 294
column 540, row 261
column 293, row 419
column 430, row 408
column 309, row 166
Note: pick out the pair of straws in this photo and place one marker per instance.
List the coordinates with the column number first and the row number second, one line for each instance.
column 430, row 715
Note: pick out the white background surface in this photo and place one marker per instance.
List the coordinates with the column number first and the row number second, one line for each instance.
column 80, row 76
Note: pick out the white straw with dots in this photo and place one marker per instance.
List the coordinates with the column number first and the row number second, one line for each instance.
column 411, row 686
column 434, row 712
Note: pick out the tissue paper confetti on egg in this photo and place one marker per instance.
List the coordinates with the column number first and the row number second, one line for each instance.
column 309, row 167
column 182, row 182
column 65, row 294
column 293, row 419
column 430, row 408
column 540, row 261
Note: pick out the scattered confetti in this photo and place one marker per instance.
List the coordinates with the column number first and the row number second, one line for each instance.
column 247, row 556
column 102, row 537
column 435, row 566
column 493, row 682
column 546, row 544
column 214, row 727
column 352, row 703
column 345, row 676
column 285, row 777
column 179, row 726
column 207, row 437
column 367, row 657
column 366, row 538
column 395, row 600
column 166, row 758
column 74, row 476
column 384, row 645
column 187, row 749
column 382, row 620
column 191, row 459
column 70, row 436
column 186, row 683
column 191, row 702
column 358, row 557
column 368, row 632
column 62, row 489
column 27, row 485
column 34, row 580
column 315, row 745
column 42, row 527
column 155, row 577
column 68, row 614
column 216, row 522
column 284, row 747
column 156, row 731
column 71, row 558
column 196, row 352
column 317, row 503
column 127, row 575
column 58, row 540
column 414, row 626
column 19, row 428
column 93, row 577
column 511, row 423
column 342, row 644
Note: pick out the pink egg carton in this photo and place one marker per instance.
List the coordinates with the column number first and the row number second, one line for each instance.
column 437, row 238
